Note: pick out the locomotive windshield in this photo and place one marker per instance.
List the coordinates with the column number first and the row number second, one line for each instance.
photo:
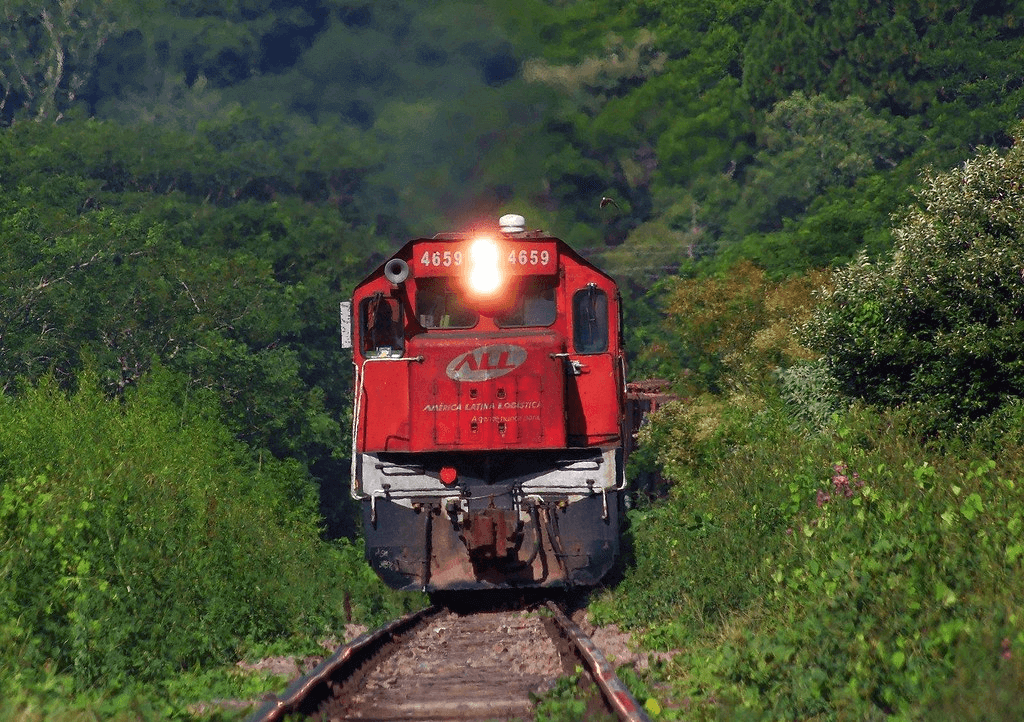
column 439, row 306
column 534, row 306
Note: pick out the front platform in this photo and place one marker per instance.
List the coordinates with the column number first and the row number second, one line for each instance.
column 549, row 543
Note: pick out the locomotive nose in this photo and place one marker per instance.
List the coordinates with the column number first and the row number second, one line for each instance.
column 508, row 395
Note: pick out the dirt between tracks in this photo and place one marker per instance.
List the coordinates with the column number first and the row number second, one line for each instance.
column 483, row 665
column 616, row 645
column 474, row 658
column 513, row 642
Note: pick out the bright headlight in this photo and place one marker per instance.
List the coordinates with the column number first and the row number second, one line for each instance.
column 484, row 276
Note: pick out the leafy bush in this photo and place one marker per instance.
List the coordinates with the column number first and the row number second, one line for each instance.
column 853, row 574
column 562, row 703
column 939, row 324
column 892, row 581
column 812, row 393
column 737, row 328
column 139, row 539
column 697, row 554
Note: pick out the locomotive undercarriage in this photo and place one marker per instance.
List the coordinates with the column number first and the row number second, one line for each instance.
column 509, row 519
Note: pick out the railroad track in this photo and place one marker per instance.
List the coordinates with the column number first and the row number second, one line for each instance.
column 439, row 664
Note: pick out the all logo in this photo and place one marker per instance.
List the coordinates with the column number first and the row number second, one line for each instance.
column 486, row 362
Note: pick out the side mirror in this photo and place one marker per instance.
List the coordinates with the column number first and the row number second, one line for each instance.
column 346, row 324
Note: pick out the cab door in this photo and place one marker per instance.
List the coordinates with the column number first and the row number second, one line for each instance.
column 593, row 380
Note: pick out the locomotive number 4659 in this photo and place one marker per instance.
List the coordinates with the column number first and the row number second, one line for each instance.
column 521, row 257
column 441, row 258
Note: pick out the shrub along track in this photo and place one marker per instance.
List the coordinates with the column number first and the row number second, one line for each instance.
column 447, row 664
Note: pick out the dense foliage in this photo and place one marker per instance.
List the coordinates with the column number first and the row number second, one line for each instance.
column 700, row 117
column 139, row 539
column 848, row 575
column 781, row 131
column 115, row 252
column 819, row 558
column 939, row 323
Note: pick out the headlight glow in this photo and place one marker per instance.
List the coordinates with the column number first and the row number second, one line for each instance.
column 484, row 276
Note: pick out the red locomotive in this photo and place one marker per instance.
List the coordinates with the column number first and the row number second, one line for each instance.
column 488, row 415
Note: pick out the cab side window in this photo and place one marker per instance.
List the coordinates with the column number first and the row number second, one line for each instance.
column 381, row 326
column 590, row 320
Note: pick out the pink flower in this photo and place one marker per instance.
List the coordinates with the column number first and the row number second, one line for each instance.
column 841, row 481
column 823, row 498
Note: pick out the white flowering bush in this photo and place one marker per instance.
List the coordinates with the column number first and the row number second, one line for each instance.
column 940, row 323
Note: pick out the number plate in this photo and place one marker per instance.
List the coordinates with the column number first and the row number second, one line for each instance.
column 515, row 258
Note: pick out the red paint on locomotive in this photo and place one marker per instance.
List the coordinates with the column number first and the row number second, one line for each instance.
column 489, row 370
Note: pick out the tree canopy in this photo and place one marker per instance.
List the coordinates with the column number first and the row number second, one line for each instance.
column 939, row 324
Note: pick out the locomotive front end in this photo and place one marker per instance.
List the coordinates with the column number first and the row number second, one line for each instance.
column 487, row 422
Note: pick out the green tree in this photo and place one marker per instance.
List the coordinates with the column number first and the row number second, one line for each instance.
column 736, row 328
column 838, row 224
column 809, row 144
column 905, row 56
column 939, row 324
column 116, row 258
column 48, row 53
column 813, row 152
column 778, row 54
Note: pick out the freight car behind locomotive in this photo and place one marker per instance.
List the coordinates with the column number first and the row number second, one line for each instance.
column 487, row 431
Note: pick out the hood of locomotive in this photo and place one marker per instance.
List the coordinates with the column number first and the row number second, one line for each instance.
column 466, row 393
column 481, row 393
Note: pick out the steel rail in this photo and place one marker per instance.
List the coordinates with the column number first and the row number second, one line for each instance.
column 616, row 695
column 306, row 693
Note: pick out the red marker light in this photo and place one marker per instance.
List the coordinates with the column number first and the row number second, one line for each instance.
column 448, row 475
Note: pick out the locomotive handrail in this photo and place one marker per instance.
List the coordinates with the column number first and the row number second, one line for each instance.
column 418, row 359
column 373, row 504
